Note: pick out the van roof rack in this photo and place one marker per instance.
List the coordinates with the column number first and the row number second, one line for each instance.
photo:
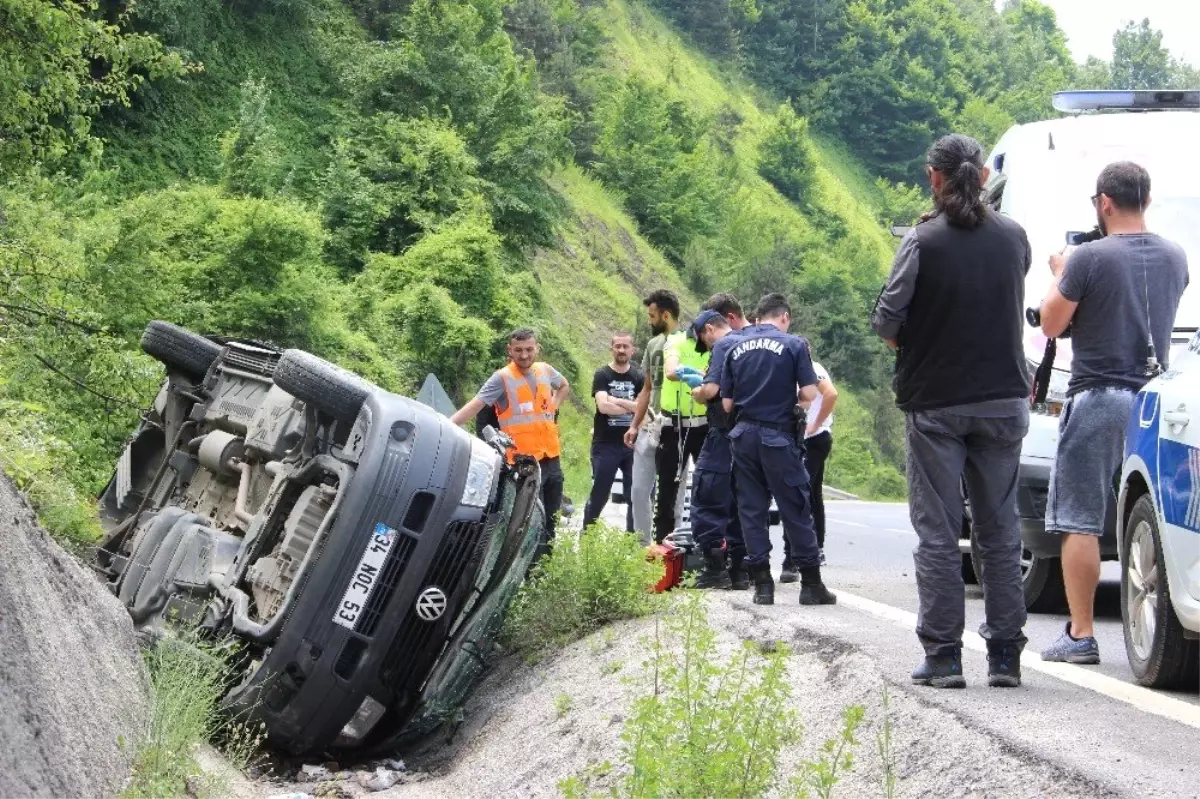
column 1075, row 102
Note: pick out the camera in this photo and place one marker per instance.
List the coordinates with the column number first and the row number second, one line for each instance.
column 1075, row 238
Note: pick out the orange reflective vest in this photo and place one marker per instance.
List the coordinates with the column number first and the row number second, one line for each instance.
column 529, row 418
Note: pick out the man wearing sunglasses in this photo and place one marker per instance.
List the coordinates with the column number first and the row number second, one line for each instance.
column 1119, row 295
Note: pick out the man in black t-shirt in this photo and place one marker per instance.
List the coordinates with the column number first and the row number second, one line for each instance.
column 615, row 387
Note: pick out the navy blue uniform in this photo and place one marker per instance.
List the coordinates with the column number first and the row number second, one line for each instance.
column 714, row 503
column 761, row 375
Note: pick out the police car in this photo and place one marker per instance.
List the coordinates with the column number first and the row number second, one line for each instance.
column 1158, row 526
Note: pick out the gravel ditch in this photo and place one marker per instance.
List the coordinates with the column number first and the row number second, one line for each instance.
column 516, row 740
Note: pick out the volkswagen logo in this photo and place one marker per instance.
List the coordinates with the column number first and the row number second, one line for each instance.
column 431, row 603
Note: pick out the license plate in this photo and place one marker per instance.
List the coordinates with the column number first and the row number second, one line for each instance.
column 369, row 570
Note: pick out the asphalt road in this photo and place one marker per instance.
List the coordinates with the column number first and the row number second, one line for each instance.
column 1089, row 720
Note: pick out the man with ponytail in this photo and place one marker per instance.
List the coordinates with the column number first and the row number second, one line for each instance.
column 952, row 309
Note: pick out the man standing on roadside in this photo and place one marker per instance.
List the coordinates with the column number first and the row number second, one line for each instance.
column 615, row 388
column 527, row 394
column 1119, row 295
column 644, row 434
column 760, row 380
column 818, row 443
column 714, row 494
column 953, row 308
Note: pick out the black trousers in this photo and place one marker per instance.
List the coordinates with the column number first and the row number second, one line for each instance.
column 552, row 492
column 816, row 452
column 667, row 462
column 607, row 459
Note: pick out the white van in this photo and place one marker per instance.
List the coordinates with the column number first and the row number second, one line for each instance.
column 1043, row 176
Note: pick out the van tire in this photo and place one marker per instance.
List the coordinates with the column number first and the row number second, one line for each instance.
column 328, row 388
column 179, row 349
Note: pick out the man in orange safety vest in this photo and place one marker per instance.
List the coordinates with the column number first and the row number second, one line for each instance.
column 526, row 395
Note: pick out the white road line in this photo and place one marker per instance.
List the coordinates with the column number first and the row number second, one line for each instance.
column 849, row 524
column 1144, row 699
column 900, row 530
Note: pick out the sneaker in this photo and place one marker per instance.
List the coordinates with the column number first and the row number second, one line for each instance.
column 789, row 573
column 1004, row 665
column 940, row 671
column 822, row 557
column 1082, row 651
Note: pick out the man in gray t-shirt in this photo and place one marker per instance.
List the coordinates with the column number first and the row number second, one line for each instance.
column 1126, row 287
column 1118, row 296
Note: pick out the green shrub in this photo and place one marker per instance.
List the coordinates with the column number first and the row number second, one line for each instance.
column 584, row 583
column 902, row 204
column 392, row 181
column 785, row 157
column 63, row 63
column 654, row 150
column 251, row 162
column 710, row 726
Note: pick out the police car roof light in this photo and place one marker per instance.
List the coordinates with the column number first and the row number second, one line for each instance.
column 1074, row 102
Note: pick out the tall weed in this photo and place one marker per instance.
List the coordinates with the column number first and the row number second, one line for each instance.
column 585, row 582
column 188, row 676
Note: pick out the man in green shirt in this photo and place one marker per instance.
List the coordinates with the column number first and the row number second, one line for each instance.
column 662, row 312
column 669, row 424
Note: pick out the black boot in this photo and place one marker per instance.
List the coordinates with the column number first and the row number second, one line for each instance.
column 788, row 573
column 812, row 590
column 714, row 574
column 764, row 586
column 941, row 671
column 1004, row 664
column 738, row 577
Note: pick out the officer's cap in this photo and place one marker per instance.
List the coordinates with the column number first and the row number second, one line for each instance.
column 697, row 326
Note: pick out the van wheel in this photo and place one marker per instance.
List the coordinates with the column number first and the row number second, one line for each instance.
column 1041, row 580
column 328, row 388
column 179, row 349
column 1159, row 654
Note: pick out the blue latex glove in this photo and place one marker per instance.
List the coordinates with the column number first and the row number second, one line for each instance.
column 685, row 371
column 693, row 380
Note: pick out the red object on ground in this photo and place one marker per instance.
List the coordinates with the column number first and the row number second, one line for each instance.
column 672, row 558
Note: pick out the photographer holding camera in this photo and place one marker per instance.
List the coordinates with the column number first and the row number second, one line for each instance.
column 1119, row 296
column 952, row 308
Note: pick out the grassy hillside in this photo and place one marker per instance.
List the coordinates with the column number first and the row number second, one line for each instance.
column 591, row 293
column 394, row 188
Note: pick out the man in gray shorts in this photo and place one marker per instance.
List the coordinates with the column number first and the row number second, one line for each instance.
column 1118, row 295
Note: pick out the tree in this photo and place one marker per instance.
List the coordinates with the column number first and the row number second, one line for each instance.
column 785, row 155
column 653, row 149
column 1139, row 59
column 1095, row 73
column 1035, row 61
column 63, row 62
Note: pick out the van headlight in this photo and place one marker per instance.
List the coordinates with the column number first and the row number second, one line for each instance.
column 481, row 474
column 1056, row 394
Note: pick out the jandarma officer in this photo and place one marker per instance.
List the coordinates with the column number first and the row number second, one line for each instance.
column 759, row 385
column 714, row 507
